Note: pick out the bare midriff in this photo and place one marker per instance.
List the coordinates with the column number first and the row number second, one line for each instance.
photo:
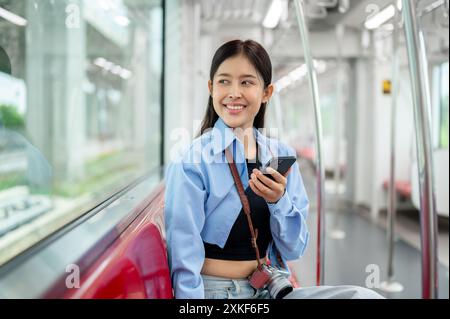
column 234, row 269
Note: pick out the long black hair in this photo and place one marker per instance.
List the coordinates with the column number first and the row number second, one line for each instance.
column 258, row 57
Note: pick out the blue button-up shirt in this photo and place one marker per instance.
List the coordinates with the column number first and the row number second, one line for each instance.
column 202, row 204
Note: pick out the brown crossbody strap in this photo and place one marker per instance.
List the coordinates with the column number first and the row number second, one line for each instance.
column 244, row 201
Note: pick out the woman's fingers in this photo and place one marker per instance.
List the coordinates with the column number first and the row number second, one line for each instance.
column 266, row 180
column 254, row 189
column 260, row 186
column 277, row 176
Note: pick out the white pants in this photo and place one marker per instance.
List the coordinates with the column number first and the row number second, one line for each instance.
column 225, row 288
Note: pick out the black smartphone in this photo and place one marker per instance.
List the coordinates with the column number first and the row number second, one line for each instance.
column 280, row 164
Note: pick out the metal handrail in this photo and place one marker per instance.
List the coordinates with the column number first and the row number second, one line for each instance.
column 422, row 116
column 320, row 173
column 390, row 285
column 392, row 198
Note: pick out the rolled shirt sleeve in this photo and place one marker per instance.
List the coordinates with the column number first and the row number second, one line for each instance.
column 185, row 196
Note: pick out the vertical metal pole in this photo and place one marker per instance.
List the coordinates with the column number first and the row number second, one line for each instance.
column 337, row 233
column 422, row 116
column 162, row 126
column 338, row 115
column 390, row 285
column 320, row 173
column 392, row 199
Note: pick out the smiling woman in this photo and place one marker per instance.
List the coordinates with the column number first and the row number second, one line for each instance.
column 239, row 84
column 229, row 237
column 240, row 90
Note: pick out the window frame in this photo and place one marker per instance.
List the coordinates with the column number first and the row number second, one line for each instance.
column 129, row 200
column 93, row 232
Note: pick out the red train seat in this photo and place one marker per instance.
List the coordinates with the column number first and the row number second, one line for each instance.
column 403, row 188
column 135, row 265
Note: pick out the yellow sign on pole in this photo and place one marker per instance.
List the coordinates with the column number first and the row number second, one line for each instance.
column 387, row 87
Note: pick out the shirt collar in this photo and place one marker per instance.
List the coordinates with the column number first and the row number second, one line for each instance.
column 223, row 136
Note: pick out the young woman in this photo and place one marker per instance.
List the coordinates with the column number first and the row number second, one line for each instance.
column 207, row 233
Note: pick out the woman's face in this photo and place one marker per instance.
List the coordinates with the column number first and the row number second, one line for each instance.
column 237, row 90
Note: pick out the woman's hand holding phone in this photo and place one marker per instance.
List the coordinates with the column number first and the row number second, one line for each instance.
column 270, row 190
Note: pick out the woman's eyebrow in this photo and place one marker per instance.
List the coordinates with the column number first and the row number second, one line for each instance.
column 248, row 76
column 242, row 76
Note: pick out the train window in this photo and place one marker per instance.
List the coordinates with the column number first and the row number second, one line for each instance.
column 79, row 109
column 443, row 101
column 440, row 106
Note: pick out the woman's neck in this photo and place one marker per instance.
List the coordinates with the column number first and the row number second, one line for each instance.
column 247, row 137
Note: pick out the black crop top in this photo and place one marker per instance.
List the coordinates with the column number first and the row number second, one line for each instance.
column 238, row 245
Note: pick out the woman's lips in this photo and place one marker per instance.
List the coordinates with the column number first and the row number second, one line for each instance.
column 234, row 108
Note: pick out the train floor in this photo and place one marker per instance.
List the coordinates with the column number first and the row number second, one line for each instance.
column 359, row 257
column 363, row 251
